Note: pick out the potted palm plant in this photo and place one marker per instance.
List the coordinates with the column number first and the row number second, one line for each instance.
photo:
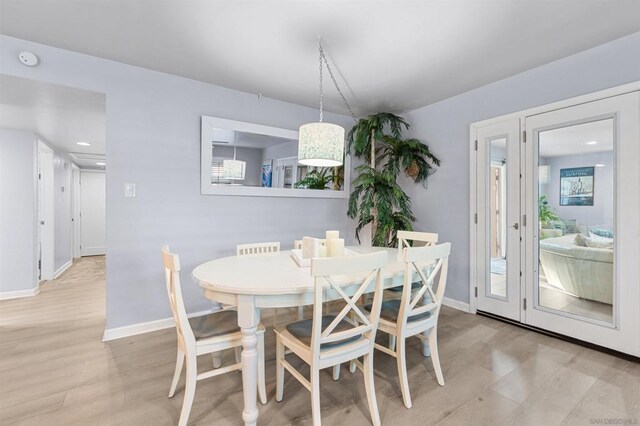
column 377, row 198
column 316, row 179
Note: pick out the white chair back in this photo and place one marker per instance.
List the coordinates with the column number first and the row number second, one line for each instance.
column 297, row 244
column 426, row 238
column 415, row 259
column 171, row 263
column 258, row 248
column 325, row 271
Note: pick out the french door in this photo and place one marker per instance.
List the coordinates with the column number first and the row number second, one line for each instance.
column 498, row 230
column 557, row 238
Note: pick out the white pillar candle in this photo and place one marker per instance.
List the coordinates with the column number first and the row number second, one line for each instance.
column 335, row 247
column 330, row 235
column 310, row 247
column 323, row 251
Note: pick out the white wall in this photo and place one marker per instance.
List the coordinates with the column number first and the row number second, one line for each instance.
column 153, row 140
column 18, row 197
column 444, row 207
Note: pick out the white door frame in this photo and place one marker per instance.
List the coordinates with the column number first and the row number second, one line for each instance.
column 473, row 209
column 75, row 211
column 45, row 218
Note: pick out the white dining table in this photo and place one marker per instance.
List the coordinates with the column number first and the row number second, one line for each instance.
column 271, row 280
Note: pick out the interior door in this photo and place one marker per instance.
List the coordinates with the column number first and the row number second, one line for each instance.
column 498, row 218
column 92, row 213
column 582, row 246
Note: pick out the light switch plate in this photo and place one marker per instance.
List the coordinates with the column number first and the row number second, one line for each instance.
column 130, row 190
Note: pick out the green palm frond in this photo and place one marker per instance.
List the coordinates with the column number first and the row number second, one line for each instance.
column 376, row 196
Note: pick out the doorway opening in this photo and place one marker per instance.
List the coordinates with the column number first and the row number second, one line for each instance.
column 57, row 136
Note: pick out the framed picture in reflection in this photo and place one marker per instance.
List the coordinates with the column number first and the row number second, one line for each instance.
column 267, row 173
column 576, row 186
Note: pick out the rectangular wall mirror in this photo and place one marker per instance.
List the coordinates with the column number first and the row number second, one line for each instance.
column 254, row 160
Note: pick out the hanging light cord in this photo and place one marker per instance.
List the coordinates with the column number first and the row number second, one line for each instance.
column 323, row 58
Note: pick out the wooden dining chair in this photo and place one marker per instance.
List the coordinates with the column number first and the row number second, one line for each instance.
column 411, row 239
column 325, row 341
column 409, row 316
column 258, row 248
column 207, row 334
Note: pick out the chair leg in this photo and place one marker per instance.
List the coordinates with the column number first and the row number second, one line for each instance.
column 336, row 372
column 392, row 342
column 315, row 395
column 300, row 313
column 189, row 391
column 275, row 317
column 370, row 388
column 402, row 371
column 217, row 359
column 279, row 368
column 178, row 372
column 262, row 391
column 352, row 366
column 435, row 359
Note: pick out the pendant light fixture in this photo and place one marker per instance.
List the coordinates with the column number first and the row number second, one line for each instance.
column 233, row 169
column 321, row 144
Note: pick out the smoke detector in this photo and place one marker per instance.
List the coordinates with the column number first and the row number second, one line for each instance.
column 29, row 59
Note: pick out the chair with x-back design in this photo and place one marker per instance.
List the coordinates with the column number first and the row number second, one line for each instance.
column 325, row 341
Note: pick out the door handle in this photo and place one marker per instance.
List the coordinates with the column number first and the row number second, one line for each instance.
column 516, row 226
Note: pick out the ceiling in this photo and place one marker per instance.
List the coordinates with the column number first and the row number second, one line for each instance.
column 596, row 136
column 61, row 115
column 387, row 55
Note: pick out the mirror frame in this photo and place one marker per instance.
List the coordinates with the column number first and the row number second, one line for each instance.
column 206, row 157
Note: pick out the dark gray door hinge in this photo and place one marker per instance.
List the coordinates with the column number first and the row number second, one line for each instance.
column 524, row 220
column 476, row 291
column 524, row 303
column 475, row 218
column 476, row 144
column 524, row 136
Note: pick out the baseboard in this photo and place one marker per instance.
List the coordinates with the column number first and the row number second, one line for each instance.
column 19, row 293
column 144, row 327
column 63, row 268
column 456, row 304
column 93, row 251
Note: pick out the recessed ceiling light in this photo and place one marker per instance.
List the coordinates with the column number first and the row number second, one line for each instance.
column 601, row 165
column 591, row 142
column 100, row 163
column 83, row 143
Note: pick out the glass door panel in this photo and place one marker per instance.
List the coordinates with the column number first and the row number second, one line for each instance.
column 576, row 175
column 498, row 206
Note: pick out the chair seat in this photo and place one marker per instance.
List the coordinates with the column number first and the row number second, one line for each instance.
column 301, row 330
column 214, row 324
column 414, row 287
column 391, row 309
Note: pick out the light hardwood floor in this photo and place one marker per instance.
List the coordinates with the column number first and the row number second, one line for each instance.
column 54, row 370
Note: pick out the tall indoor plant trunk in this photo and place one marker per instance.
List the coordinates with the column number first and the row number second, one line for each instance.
column 374, row 211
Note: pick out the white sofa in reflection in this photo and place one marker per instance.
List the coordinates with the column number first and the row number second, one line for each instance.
column 585, row 272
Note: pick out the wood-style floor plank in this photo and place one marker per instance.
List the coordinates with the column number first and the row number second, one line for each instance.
column 54, row 370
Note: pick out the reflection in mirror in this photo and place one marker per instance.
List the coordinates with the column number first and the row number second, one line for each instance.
column 260, row 157
column 576, row 190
